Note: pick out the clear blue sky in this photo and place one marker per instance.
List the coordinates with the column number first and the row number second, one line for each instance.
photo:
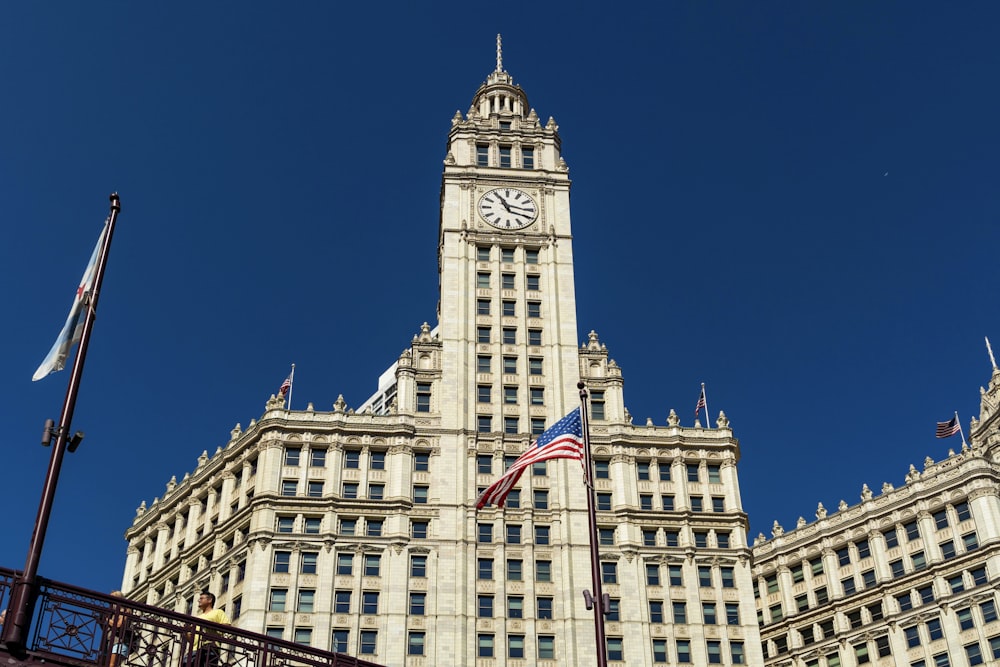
column 795, row 203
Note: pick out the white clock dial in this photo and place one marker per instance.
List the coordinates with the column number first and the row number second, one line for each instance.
column 508, row 208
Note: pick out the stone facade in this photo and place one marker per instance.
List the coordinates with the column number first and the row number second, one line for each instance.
column 356, row 530
column 906, row 577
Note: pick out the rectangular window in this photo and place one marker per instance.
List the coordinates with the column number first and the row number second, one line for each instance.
column 655, row 611
column 484, row 424
column 680, row 612
column 970, row 541
column 543, row 608
column 962, row 511
column 912, row 531
column 708, row 613
column 309, row 561
column 352, row 459
column 979, row 577
column 652, row 574
column 509, row 336
column 673, row 537
column 613, row 612
column 683, row 651
column 292, row 455
column 705, row 576
column 485, row 642
column 615, row 649
column 822, row 597
column 513, row 533
column 667, row 502
column 722, row 539
column 674, row 572
column 919, row 561
column 537, row 426
column 543, row 570
column 484, row 569
column 348, row 526
column 649, row 537
column 546, row 647
column 940, row 519
column 718, row 504
column 419, row 529
column 926, row 594
column 313, row 525
column 737, row 652
column 289, row 487
column 507, row 281
column 482, row 334
column 905, row 601
column 891, row 538
column 714, row 652
column 646, row 501
column 482, row 306
column 534, row 309
column 692, row 472
column 339, row 641
column 843, row 556
column 537, row 395
column 534, row 366
column 373, row 565
column 377, row 461
column 345, row 564
column 697, row 504
column 515, row 646
column 989, row 609
column 609, row 573
column 507, row 308
column 515, row 567
column 868, row 578
column 415, row 643
column 279, row 597
column 373, row 527
column 285, row 524
column 530, row 256
column 896, row 567
column 540, row 499
column 484, row 364
column 659, row 650
column 482, row 155
column 974, row 654
column 484, row 606
column 948, row 549
column 934, row 630
column 604, row 502
column 307, row 599
column 732, row 613
column 421, row 462
column 532, row 282
column 505, row 157
column 282, row 561
column 369, row 638
column 424, row 396
column 511, row 425
column 515, row 606
column 700, row 539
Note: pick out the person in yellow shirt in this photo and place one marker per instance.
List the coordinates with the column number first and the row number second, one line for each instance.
column 204, row 651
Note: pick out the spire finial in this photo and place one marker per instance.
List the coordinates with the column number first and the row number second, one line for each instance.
column 499, row 54
column 990, row 350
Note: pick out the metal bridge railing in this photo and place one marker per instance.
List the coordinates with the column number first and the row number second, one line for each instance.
column 77, row 628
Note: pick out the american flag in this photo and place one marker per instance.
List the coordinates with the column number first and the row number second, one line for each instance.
column 562, row 440
column 701, row 403
column 948, row 428
column 285, row 386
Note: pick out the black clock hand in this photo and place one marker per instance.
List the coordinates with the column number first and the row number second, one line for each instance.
column 504, row 202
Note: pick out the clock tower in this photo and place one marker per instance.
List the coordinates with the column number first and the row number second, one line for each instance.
column 508, row 308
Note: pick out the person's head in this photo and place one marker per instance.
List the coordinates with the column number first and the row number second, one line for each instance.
column 117, row 594
column 206, row 601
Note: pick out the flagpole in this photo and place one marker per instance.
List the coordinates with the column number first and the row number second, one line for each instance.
column 959, row 422
column 25, row 589
column 595, row 560
column 291, row 384
column 708, row 423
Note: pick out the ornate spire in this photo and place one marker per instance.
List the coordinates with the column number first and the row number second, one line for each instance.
column 499, row 54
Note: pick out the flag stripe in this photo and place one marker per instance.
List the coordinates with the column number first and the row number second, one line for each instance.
column 948, row 428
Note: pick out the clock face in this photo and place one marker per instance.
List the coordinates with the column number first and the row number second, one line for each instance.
column 508, row 208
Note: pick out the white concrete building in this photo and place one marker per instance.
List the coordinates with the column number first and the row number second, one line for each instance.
column 356, row 530
column 908, row 577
